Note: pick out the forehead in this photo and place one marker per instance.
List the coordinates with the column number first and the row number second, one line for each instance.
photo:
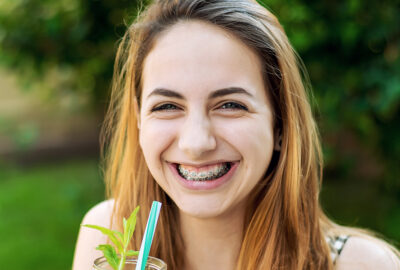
column 200, row 56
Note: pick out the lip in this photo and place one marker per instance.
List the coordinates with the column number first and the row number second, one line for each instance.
column 199, row 165
column 203, row 185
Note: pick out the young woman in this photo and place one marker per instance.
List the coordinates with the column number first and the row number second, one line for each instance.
column 209, row 115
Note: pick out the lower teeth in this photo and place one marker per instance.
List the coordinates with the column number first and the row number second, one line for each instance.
column 226, row 168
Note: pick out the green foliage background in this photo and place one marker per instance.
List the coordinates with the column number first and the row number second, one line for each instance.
column 350, row 48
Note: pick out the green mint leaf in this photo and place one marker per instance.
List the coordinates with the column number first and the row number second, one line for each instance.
column 110, row 255
column 132, row 253
column 121, row 241
column 125, row 228
column 119, row 235
column 130, row 227
column 110, row 234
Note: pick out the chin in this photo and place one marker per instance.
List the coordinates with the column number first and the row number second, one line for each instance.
column 201, row 208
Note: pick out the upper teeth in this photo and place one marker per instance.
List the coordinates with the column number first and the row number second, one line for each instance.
column 205, row 173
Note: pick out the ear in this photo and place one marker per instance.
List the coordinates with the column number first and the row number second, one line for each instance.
column 278, row 139
column 137, row 112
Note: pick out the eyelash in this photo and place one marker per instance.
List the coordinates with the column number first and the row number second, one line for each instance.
column 234, row 106
column 164, row 107
column 227, row 105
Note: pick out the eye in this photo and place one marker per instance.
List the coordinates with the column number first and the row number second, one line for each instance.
column 165, row 107
column 233, row 106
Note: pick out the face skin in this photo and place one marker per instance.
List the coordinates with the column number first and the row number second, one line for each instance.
column 186, row 118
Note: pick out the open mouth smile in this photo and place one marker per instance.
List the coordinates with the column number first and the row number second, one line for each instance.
column 205, row 177
column 206, row 173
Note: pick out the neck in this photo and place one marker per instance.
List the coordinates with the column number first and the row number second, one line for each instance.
column 212, row 243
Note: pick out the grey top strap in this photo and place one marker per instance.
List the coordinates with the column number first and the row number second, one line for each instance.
column 336, row 244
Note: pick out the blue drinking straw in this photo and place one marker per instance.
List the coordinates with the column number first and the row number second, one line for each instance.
column 148, row 235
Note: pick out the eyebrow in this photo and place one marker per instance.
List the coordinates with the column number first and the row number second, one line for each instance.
column 228, row 91
column 166, row 93
column 217, row 93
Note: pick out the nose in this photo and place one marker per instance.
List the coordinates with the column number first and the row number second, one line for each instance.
column 196, row 137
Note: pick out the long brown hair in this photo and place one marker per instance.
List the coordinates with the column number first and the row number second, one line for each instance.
column 284, row 227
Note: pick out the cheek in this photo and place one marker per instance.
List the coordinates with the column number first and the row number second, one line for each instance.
column 249, row 136
column 155, row 137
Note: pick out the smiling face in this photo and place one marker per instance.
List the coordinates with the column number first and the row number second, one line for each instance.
column 206, row 123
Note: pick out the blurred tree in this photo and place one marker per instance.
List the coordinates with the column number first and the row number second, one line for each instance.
column 76, row 37
column 351, row 50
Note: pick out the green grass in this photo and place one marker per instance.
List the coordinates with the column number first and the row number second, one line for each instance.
column 41, row 208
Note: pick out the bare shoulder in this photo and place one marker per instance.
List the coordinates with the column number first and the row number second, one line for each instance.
column 100, row 214
column 89, row 239
column 361, row 253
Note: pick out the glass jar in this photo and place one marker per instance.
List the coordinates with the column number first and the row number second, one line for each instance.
column 130, row 264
